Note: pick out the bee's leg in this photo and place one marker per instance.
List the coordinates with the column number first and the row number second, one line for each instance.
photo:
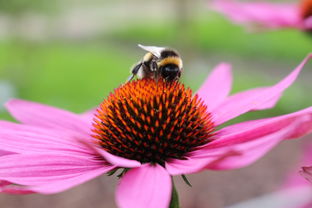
column 156, row 73
column 134, row 71
column 130, row 77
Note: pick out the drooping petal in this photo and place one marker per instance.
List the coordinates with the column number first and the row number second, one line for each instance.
column 266, row 14
column 250, row 130
column 217, row 86
column 253, row 141
column 52, row 187
column 40, row 169
column 250, row 151
column 146, row 186
column 21, row 138
column 261, row 98
column 197, row 162
column 66, row 134
column 9, row 188
column 46, row 116
column 119, row 161
column 67, row 183
column 112, row 159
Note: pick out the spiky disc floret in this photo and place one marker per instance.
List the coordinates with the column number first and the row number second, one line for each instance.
column 152, row 121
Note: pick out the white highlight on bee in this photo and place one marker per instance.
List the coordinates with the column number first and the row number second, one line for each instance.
column 155, row 50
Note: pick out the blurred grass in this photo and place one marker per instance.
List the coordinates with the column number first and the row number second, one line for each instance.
column 76, row 77
column 214, row 34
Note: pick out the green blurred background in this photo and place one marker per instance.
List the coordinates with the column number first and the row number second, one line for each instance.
column 72, row 53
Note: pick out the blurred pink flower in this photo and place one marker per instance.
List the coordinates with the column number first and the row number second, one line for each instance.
column 307, row 172
column 267, row 14
column 295, row 191
column 52, row 150
column 295, row 184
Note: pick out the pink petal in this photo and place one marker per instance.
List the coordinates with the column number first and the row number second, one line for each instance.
column 250, row 130
column 261, row 98
column 20, row 138
column 217, row 86
column 42, row 115
column 119, row 161
column 255, row 138
column 3, row 152
column 307, row 173
column 188, row 166
column 113, row 159
column 55, row 186
column 147, row 186
column 271, row 15
column 62, row 185
column 15, row 190
column 64, row 133
column 197, row 162
column 248, row 93
column 9, row 188
column 4, row 183
column 38, row 169
column 250, row 151
column 88, row 115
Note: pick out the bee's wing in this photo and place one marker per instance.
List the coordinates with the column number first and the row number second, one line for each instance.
column 156, row 51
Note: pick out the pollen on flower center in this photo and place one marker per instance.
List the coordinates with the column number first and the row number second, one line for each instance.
column 152, row 121
column 306, row 9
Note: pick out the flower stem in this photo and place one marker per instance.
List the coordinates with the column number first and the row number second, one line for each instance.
column 174, row 203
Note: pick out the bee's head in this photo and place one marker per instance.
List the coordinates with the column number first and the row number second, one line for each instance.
column 170, row 72
column 170, row 65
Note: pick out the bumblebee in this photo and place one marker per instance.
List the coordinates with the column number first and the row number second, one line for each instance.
column 157, row 63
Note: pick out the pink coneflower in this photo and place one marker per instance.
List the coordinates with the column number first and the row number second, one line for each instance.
column 149, row 130
column 296, row 183
column 267, row 14
column 306, row 170
column 295, row 191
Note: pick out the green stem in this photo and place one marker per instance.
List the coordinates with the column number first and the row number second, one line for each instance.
column 174, row 203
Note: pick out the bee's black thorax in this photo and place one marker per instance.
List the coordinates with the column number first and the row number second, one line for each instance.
column 168, row 53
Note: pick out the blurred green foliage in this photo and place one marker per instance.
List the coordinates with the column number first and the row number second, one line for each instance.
column 214, row 34
column 18, row 7
column 77, row 75
column 73, row 76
